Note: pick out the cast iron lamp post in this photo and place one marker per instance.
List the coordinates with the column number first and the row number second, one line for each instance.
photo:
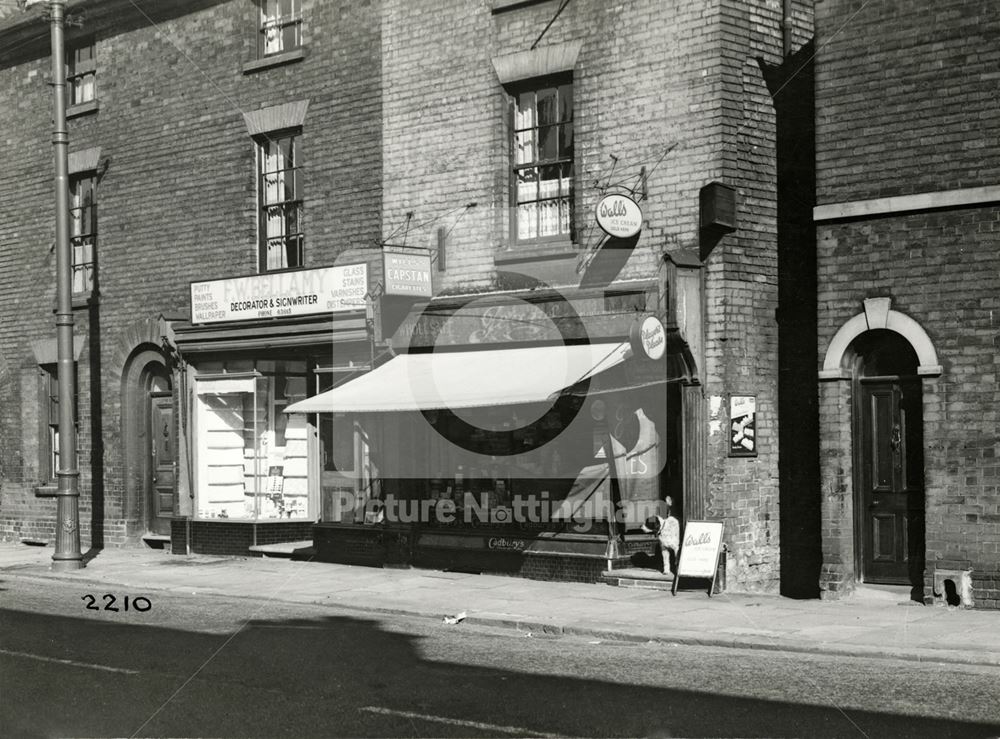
column 67, row 555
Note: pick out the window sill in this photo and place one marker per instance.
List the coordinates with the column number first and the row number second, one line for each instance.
column 537, row 252
column 48, row 490
column 74, row 111
column 275, row 60
column 85, row 300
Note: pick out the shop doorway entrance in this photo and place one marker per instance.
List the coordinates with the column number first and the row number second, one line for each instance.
column 161, row 449
column 889, row 452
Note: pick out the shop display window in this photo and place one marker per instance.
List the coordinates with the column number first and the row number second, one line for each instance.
column 350, row 479
column 550, row 474
column 252, row 458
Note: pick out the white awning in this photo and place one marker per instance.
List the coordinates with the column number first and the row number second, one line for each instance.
column 468, row 379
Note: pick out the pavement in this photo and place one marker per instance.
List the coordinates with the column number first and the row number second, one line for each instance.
column 879, row 623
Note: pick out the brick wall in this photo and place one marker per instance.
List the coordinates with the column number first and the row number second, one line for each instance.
column 644, row 79
column 176, row 198
column 906, row 103
column 924, row 262
column 742, row 298
column 229, row 537
column 908, row 97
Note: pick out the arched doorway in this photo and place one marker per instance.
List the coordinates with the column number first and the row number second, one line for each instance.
column 888, row 459
column 149, row 436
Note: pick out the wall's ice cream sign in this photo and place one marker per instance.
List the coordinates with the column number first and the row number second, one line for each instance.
column 280, row 294
column 618, row 216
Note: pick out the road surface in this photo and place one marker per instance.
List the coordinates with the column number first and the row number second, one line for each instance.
column 240, row 667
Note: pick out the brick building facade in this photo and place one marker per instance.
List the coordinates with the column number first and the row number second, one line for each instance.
column 669, row 90
column 405, row 116
column 167, row 138
column 908, row 281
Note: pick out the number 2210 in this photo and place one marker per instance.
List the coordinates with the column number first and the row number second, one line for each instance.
column 139, row 603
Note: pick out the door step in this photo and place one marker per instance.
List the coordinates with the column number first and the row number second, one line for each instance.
column 637, row 577
column 286, row 550
column 156, row 541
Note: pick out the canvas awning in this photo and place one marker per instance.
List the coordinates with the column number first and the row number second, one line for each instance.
column 468, row 379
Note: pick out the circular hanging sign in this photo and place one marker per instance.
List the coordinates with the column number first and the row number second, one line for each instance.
column 618, row 216
column 649, row 338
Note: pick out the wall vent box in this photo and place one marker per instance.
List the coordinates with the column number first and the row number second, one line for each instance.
column 718, row 208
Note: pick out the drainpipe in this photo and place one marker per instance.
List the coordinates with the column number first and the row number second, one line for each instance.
column 786, row 26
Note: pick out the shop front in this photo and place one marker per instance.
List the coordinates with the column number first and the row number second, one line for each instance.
column 249, row 473
column 522, row 433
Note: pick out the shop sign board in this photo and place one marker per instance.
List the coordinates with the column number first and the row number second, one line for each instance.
column 742, row 426
column 619, row 216
column 649, row 338
column 700, row 548
column 407, row 273
column 280, row 294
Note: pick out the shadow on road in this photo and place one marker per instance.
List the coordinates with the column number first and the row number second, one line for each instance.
column 346, row 676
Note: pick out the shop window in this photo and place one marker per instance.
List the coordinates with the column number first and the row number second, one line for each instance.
column 83, row 230
column 280, row 198
column 252, row 457
column 542, row 161
column 350, row 479
column 280, row 28
column 81, row 74
column 50, row 418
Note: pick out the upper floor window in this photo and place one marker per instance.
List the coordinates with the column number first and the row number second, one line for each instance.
column 543, row 161
column 280, row 26
column 83, row 230
column 81, row 74
column 280, row 197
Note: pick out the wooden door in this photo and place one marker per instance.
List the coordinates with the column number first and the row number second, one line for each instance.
column 160, row 496
column 892, row 495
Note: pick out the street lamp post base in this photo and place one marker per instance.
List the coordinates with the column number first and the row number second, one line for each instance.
column 66, row 565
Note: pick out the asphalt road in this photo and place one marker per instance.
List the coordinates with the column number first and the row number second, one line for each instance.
column 233, row 667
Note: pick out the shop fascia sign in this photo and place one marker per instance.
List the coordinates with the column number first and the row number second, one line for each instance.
column 280, row 294
column 618, row 216
column 648, row 338
column 407, row 273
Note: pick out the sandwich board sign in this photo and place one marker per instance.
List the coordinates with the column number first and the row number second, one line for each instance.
column 699, row 557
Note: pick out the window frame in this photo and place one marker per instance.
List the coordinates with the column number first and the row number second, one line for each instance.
column 261, row 144
column 78, row 70
column 81, row 215
column 281, row 22
column 49, row 415
column 564, row 158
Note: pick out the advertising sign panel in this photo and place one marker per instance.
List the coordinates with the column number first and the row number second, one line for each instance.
column 742, row 426
column 408, row 273
column 700, row 549
column 279, row 294
column 619, row 216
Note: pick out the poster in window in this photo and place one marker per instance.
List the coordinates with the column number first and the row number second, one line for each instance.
column 742, row 426
column 275, row 481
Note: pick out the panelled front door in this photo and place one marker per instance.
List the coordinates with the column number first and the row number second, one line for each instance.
column 160, row 498
column 892, row 495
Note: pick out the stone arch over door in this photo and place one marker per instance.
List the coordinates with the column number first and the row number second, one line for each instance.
column 878, row 314
column 849, row 387
column 146, row 372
